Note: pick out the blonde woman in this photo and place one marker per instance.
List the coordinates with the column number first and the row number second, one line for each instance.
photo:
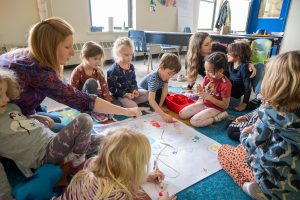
column 39, row 69
column 266, row 164
column 118, row 171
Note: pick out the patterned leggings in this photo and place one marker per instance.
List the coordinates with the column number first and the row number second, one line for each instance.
column 233, row 161
column 74, row 138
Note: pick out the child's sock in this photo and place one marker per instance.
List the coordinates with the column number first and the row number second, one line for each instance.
column 253, row 190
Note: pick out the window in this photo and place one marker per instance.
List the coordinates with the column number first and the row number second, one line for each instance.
column 206, row 15
column 239, row 14
column 119, row 10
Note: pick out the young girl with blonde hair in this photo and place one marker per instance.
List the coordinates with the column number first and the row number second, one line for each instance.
column 118, row 171
column 266, row 164
column 121, row 76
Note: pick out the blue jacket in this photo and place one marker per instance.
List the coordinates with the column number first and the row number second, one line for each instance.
column 273, row 150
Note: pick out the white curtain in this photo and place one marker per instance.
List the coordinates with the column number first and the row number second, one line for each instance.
column 43, row 11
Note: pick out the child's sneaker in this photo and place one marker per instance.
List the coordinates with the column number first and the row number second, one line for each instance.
column 99, row 117
column 253, row 190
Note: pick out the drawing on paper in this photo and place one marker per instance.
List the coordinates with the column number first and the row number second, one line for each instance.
column 184, row 155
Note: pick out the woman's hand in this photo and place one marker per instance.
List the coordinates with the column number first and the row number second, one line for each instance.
column 134, row 112
column 155, row 176
column 44, row 120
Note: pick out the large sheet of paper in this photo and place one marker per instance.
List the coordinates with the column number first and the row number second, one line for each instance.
column 184, row 155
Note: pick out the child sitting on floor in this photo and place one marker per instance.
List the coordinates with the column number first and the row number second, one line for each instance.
column 121, row 75
column 118, row 171
column 239, row 55
column 235, row 127
column 85, row 76
column 266, row 164
column 215, row 92
column 30, row 143
column 157, row 83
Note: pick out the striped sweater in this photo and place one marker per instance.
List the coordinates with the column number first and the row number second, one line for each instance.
column 88, row 187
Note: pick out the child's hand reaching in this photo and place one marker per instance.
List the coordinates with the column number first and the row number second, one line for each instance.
column 240, row 119
column 168, row 118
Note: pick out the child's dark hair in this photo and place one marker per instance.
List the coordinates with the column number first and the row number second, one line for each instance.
column 218, row 59
column 241, row 50
column 92, row 49
column 171, row 61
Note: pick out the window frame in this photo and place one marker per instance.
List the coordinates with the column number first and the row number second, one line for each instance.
column 129, row 2
column 214, row 2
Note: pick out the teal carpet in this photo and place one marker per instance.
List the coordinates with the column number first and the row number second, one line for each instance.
column 216, row 186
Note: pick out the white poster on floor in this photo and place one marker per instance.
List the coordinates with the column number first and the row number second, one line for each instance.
column 183, row 154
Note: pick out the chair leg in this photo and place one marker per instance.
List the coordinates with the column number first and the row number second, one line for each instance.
column 151, row 61
column 144, row 58
column 158, row 58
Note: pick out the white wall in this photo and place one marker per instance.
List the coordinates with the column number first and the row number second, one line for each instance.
column 15, row 19
column 164, row 19
column 291, row 40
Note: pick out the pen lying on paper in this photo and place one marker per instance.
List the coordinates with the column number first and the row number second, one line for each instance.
column 155, row 167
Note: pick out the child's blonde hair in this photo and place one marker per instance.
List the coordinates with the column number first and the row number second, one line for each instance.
column 13, row 87
column 92, row 49
column 121, row 41
column 123, row 157
column 44, row 39
column 281, row 83
column 170, row 61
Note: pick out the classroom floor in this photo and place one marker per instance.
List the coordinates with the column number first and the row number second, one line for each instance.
column 140, row 70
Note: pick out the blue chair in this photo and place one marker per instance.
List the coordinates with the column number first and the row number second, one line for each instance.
column 167, row 48
column 138, row 38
